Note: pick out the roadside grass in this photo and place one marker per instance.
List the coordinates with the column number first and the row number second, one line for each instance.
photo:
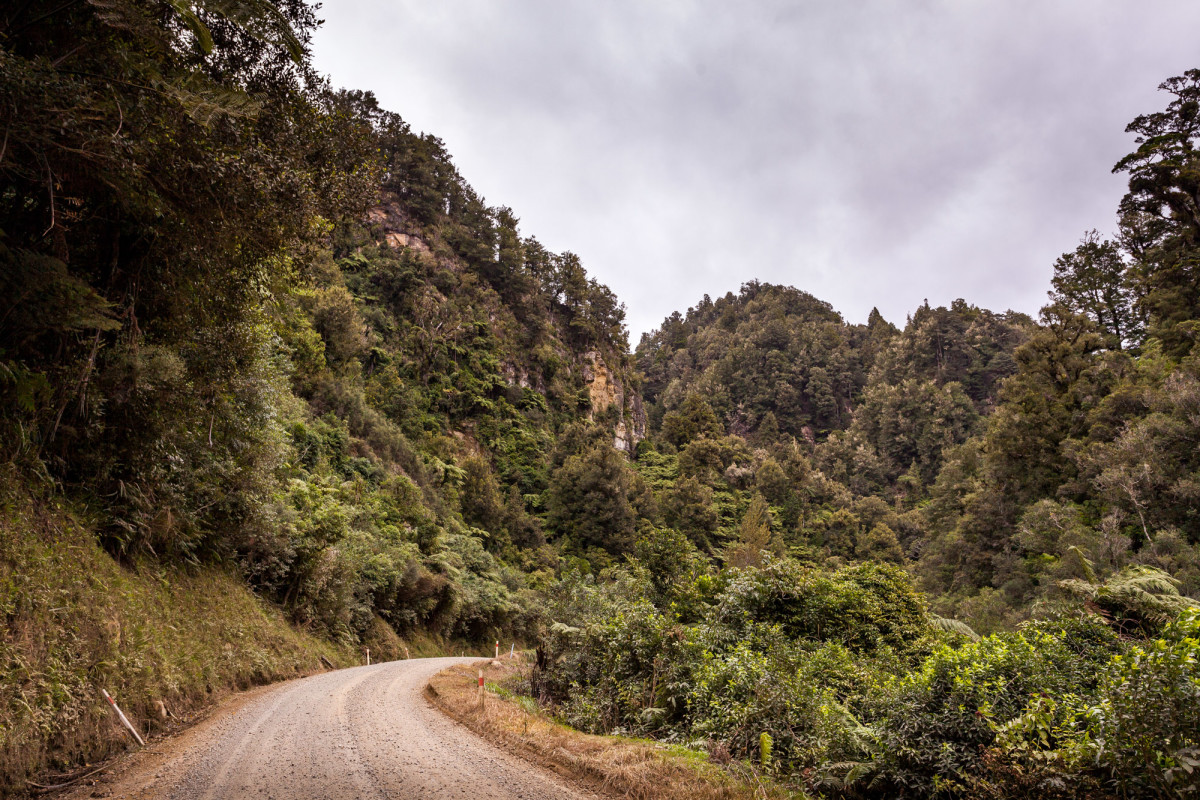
column 158, row 639
column 617, row 766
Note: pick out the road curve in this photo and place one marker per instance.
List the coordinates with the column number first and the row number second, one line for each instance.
column 365, row 732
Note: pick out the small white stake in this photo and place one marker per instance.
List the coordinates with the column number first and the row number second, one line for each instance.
column 368, row 656
column 512, row 650
column 121, row 714
column 497, row 650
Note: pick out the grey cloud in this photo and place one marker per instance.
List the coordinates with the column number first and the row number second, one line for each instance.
column 872, row 153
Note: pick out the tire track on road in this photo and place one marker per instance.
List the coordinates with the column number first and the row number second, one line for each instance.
column 365, row 732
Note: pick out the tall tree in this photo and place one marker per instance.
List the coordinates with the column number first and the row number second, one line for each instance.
column 694, row 419
column 1092, row 281
column 1162, row 212
column 688, row 507
column 754, row 536
column 589, row 500
column 166, row 168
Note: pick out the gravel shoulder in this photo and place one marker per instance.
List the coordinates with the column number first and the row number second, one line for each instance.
column 365, row 732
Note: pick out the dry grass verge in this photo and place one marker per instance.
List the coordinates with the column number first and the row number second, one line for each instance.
column 611, row 765
column 166, row 643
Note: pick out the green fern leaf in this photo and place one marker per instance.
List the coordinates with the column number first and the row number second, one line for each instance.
column 953, row 626
column 261, row 19
column 1081, row 562
column 194, row 24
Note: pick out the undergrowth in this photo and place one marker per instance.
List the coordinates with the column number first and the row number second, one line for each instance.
column 76, row 622
column 617, row 766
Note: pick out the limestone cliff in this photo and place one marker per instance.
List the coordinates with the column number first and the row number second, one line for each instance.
column 395, row 227
column 609, row 391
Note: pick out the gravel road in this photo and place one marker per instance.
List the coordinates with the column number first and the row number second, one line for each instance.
column 366, row 732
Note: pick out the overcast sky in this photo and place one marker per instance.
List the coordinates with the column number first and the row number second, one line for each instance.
column 871, row 153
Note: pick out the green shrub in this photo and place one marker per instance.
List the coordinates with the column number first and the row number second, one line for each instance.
column 765, row 684
column 937, row 723
column 1139, row 732
column 865, row 607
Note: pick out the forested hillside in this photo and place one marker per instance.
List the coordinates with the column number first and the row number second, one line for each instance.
column 983, row 448
column 845, row 509
column 259, row 335
column 252, row 323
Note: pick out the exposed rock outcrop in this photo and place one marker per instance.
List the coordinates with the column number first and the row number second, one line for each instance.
column 396, row 227
column 607, row 390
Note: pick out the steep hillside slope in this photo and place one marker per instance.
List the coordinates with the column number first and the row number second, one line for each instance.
column 263, row 341
column 77, row 622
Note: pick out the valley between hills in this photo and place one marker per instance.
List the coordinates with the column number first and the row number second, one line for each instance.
column 278, row 387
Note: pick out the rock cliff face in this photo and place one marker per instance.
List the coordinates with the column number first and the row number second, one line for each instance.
column 607, row 392
column 396, row 227
column 613, row 399
column 519, row 375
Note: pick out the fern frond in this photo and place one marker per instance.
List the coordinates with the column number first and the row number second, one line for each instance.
column 859, row 771
column 1085, row 590
column 126, row 16
column 841, row 775
column 261, row 19
column 194, row 24
column 1146, row 579
column 1141, row 589
column 1154, row 606
column 206, row 105
column 765, row 744
column 953, row 626
column 1081, row 562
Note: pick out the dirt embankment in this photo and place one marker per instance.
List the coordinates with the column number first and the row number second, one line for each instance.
column 167, row 643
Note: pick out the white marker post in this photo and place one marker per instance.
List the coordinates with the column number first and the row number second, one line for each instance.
column 512, row 650
column 368, row 656
column 121, row 714
column 497, row 650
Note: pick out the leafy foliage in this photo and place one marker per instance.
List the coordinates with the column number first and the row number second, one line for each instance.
column 251, row 322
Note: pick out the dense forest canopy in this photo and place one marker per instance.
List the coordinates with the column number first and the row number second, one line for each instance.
column 209, row 340
column 251, row 320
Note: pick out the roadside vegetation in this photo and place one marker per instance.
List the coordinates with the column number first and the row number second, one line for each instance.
column 856, row 690
column 164, row 641
column 614, row 766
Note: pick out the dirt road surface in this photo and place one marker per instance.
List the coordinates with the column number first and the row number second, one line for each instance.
column 366, row 732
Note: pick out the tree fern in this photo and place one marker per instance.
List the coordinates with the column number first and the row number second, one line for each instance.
column 953, row 626
column 259, row 18
column 1137, row 591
